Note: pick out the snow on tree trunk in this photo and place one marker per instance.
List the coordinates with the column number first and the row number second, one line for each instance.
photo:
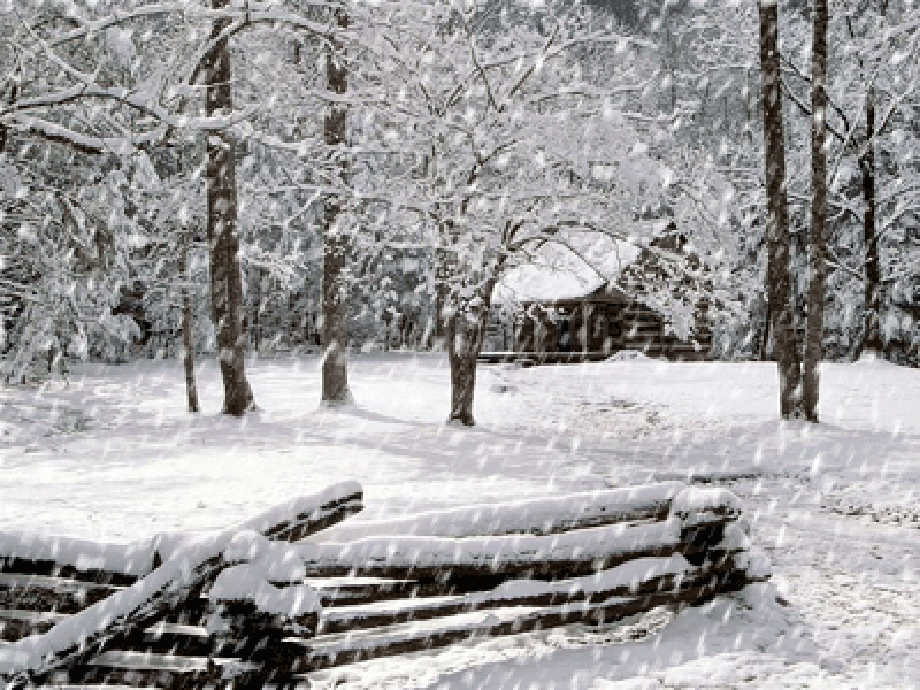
column 814, row 328
column 779, row 294
column 873, row 337
column 191, row 388
column 188, row 340
column 334, row 338
column 226, row 282
column 466, row 328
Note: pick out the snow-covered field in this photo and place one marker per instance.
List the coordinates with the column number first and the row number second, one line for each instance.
column 111, row 454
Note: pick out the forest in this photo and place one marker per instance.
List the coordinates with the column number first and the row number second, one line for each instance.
column 498, row 344
column 182, row 179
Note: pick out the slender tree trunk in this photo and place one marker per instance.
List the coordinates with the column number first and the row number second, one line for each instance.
column 764, row 344
column 226, row 282
column 191, row 388
column 873, row 337
column 188, row 339
column 817, row 285
column 335, row 337
column 779, row 293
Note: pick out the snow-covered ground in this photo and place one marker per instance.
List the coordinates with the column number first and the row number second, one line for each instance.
column 111, row 454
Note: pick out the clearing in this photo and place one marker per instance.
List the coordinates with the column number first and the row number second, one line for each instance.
column 111, row 454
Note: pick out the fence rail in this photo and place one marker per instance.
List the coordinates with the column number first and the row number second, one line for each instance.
column 257, row 605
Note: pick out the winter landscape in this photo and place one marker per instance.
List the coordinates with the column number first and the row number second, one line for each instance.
column 459, row 344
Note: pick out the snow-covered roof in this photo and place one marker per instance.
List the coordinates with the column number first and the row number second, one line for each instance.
column 590, row 262
column 533, row 283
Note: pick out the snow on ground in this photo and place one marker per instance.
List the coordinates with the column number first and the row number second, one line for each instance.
column 111, row 454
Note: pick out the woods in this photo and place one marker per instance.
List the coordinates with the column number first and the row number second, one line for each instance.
column 364, row 171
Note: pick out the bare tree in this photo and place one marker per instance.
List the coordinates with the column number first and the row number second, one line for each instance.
column 334, row 337
column 223, row 239
column 778, row 281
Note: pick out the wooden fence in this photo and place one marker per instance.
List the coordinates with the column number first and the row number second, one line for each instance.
column 255, row 605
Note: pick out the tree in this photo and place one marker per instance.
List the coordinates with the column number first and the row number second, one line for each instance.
column 478, row 90
column 817, row 287
column 335, row 245
column 780, row 306
column 226, row 283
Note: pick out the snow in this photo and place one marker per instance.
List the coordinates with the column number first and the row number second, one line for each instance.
column 695, row 506
column 541, row 515
column 487, row 552
column 250, row 583
column 832, row 506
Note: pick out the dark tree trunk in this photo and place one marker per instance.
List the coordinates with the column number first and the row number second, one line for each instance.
column 335, row 246
column 779, row 293
column 465, row 331
column 817, row 286
column 873, row 337
column 226, row 282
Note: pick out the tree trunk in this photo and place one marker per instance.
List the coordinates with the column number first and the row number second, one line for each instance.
column 226, row 282
column 334, row 341
column 779, row 294
column 191, row 387
column 873, row 337
column 817, row 285
column 188, row 338
column 464, row 341
column 465, row 332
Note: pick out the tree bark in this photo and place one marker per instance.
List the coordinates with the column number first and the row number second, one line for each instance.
column 873, row 337
column 778, row 282
column 188, row 338
column 817, row 286
column 466, row 329
column 334, row 339
column 464, row 341
column 226, row 282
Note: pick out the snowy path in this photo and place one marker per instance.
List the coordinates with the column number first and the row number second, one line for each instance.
column 114, row 456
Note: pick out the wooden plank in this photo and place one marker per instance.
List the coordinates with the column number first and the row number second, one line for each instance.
column 643, row 576
column 155, row 670
column 122, row 564
column 311, row 515
column 338, row 591
column 319, row 653
column 470, row 561
column 540, row 516
column 52, row 568
column 476, row 563
column 16, row 624
column 122, row 620
column 53, row 594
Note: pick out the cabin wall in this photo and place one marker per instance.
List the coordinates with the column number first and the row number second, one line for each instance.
column 599, row 327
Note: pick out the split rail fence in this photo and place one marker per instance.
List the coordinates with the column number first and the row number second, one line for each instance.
column 256, row 605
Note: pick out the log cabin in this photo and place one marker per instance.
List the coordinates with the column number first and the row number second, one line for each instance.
column 567, row 316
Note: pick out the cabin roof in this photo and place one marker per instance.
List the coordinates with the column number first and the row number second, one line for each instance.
column 589, row 273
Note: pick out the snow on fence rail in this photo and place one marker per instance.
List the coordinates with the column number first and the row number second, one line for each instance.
column 255, row 605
